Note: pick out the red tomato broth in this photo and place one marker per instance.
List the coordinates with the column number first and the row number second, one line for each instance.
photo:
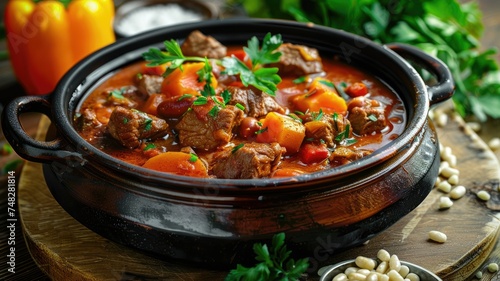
column 334, row 70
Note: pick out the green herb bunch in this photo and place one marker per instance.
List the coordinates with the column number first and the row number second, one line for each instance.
column 273, row 264
column 445, row 29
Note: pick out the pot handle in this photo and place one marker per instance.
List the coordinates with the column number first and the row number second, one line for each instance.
column 26, row 146
column 445, row 85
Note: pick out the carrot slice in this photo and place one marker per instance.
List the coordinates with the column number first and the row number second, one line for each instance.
column 329, row 102
column 321, row 95
column 178, row 163
column 185, row 81
column 282, row 129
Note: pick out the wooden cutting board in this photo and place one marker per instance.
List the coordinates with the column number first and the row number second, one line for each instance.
column 66, row 250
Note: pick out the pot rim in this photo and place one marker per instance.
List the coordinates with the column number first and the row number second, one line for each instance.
column 72, row 81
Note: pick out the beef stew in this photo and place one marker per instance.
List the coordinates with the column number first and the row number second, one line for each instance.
column 288, row 112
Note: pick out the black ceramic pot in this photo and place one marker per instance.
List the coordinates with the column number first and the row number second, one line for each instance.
column 216, row 221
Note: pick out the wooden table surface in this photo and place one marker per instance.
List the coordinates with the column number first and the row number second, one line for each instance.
column 26, row 269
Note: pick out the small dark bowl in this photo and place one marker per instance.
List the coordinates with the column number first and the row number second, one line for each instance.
column 216, row 221
column 205, row 9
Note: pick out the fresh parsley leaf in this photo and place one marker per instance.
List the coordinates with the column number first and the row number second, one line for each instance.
column 173, row 57
column 265, row 54
column 264, row 79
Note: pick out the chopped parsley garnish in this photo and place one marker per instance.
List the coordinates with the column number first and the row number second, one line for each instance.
column 139, row 76
column 148, row 124
column 299, row 80
column 343, row 137
column 327, row 83
column 117, row 93
column 295, row 117
column 149, row 146
column 185, row 96
column 193, row 157
column 335, row 117
column 372, row 118
column 236, row 148
column 240, row 106
column 318, row 116
column 125, row 120
column 263, row 130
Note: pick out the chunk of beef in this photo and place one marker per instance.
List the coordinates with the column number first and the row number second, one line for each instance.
column 366, row 118
column 208, row 132
column 88, row 125
column 298, row 60
column 256, row 103
column 128, row 96
column 200, row 45
column 149, row 84
column 130, row 126
column 326, row 128
column 343, row 155
column 252, row 160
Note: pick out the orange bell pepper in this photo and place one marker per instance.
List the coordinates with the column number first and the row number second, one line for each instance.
column 46, row 38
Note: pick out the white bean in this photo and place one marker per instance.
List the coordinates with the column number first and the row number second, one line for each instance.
column 457, row 192
column 444, row 186
column 356, row 276
column 437, row 182
column 366, row 263
column 394, row 263
column 445, row 203
column 493, row 267
column 449, row 171
column 394, row 275
column 404, row 270
column 475, row 126
column 413, row 277
column 382, row 267
column 372, row 277
column 383, row 255
column 494, row 143
column 483, row 195
column 364, row 271
column 437, row 236
column 444, row 164
column 452, row 159
column 446, row 152
column 453, row 180
column 340, row 277
column 350, row 270
column 441, row 119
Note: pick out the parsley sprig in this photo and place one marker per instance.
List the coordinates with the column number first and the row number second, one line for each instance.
column 274, row 263
column 263, row 78
column 173, row 57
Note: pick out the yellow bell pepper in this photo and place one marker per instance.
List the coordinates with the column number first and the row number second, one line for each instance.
column 46, row 38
